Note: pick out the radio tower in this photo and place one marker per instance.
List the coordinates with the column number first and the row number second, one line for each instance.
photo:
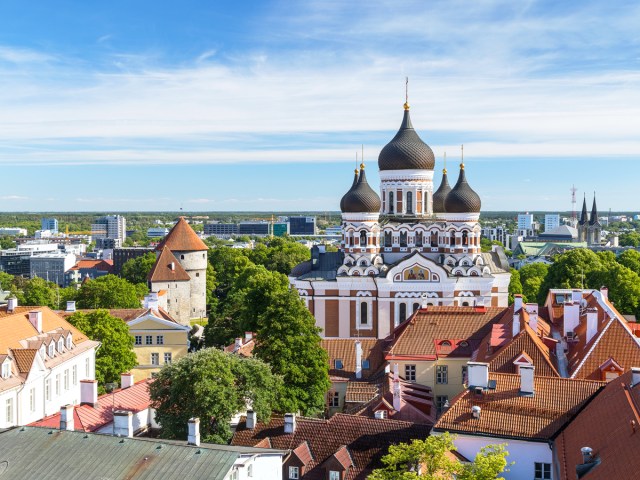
column 574, row 215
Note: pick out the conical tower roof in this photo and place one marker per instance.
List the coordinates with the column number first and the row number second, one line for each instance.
column 583, row 215
column 353, row 185
column 167, row 269
column 462, row 198
column 406, row 151
column 361, row 198
column 593, row 220
column 441, row 193
column 182, row 238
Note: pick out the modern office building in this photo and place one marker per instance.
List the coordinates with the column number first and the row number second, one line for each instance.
column 123, row 254
column 280, row 229
column 51, row 266
column 215, row 228
column 551, row 221
column 13, row 231
column 302, row 225
column 49, row 224
column 157, row 232
column 254, row 228
column 113, row 227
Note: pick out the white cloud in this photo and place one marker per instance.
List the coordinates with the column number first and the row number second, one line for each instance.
column 13, row 197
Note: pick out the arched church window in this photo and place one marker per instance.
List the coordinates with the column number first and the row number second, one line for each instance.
column 390, row 202
column 418, row 239
column 403, row 239
column 387, row 239
column 363, row 313
column 416, row 307
column 465, row 238
column 363, row 237
column 465, row 304
column 409, row 202
column 403, row 312
column 452, row 239
column 434, row 238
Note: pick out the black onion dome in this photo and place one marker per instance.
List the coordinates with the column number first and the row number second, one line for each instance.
column 361, row 198
column 441, row 194
column 353, row 185
column 406, row 151
column 462, row 198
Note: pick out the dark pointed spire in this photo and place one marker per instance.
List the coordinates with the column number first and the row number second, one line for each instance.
column 443, row 190
column 462, row 198
column 593, row 220
column 583, row 215
column 353, row 185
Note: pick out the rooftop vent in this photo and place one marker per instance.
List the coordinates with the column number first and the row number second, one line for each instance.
column 475, row 411
column 587, row 454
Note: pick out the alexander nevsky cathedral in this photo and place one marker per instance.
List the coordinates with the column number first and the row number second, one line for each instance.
column 404, row 248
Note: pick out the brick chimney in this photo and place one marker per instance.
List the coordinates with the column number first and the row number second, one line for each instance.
column 592, row 323
column 123, row 423
column 126, row 380
column 89, row 392
column 289, row 422
column 526, row 379
column 35, row 318
column 194, row 432
column 478, row 374
column 66, row 417
column 358, row 359
column 251, row 419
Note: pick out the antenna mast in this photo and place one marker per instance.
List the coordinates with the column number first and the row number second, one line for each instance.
column 574, row 215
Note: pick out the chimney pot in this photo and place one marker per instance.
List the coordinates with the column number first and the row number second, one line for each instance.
column 194, row 432
column 251, row 419
column 289, row 422
column 12, row 304
column 126, row 380
column 248, row 336
column 576, row 295
column 238, row 343
column 123, row 423
column 517, row 302
column 478, row 374
column 515, row 327
column 358, row 359
column 605, row 292
column 66, row 417
column 587, row 454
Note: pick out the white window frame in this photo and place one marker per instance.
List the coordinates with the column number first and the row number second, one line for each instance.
column 294, row 473
column 9, row 411
column 155, row 356
column 66, row 379
column 58, row 384
column 47, row 389
column 442, row 375
column 167, row 355
column 369, row 324
column 74, row 375
column 334, row 399
column 32, row 399
column 138, row 340
column 408, row 373
column 87, row 367
column 6, row 369
column 159, row 339
column 50, row 351
column 148, row 340
column 334, row 474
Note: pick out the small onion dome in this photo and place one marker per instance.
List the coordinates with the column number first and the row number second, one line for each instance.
column 462, row 198
column 441, row 194
column 361, row 198
column 406, row 151
column 353, row 185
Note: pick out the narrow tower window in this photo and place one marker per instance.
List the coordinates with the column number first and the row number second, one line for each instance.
column 465, row 238
column 409, row 202
column 419, row 239
column 403, row 312
column 387, row 239
column 390, row 202
column 363, row 313
column 363, row 238
column 403, row 239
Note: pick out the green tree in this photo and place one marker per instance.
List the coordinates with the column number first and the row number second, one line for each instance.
column 137, row 269
column 36, row 292
column 6, row 280
column 515, row 286
column 532, row 276
column 228, row 264
column 569, row 270
column 630, row 259
column 115, row 355
column 428, row 460
column 623, row 284
column 109, row 291
column 6, row 243
column 631, row 239
column 289, row 341
column 213, row 386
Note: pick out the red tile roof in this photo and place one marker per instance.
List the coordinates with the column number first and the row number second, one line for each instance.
column 182, row 238
column 344, row 349
column 506, row 413
column 168, row 269
column 102, row 265
column 610, row 425
column 24, row 358
column 366, row 439
column 90, row 419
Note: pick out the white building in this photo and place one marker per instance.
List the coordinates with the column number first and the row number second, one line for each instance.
column 525, row 221
column 551, row 221
column 43, row 358
column 13, row 231
column 157, row 232
column 112, row 227
column 50, row 224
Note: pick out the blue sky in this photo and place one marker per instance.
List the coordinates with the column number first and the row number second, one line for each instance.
column 226, row 105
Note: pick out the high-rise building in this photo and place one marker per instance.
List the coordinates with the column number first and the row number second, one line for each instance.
column 113, row 227
column 302, row 225
column 525, row 221
column 215, row 228
column 50, row 224
column 551, row 221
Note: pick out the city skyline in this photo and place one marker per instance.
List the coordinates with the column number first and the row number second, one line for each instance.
column 263, row 106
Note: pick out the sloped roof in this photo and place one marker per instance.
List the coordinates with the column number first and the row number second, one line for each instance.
column 182, row 238
column 610, row 425
column 162, row 270
column 366, row 438
column 344, row 349
column 506, row 413
column 427, row 328
column 90, row 419
column 127, row 314
column 102, row 265
column 24, row 358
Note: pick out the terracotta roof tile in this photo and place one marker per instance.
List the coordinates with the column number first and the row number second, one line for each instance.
column 168, row 269
column 344, row 349
column 610, row 425
column 182, row 238
column 24, row 358
column 508, row 414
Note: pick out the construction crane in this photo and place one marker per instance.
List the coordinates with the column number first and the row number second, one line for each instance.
column 84, row 232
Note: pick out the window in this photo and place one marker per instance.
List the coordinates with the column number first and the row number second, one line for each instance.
column 390, row 202
column 338, row 364
column 50, row 353
column 160, row 340
column 410, row 373
column 364, row 318
column 60, row 344
column 294, row 473
column 167, row 358
column 416, row 307
column 409, row 202
column 442, row 374
column 87, row 368
column 250, row 471
column 334, row 399
column 138, row 339
column 464, row 374
column 6, row 370
column 419, row 239
column 363, row 238
column 403, row 312
column 68, row 342
column 333, row 475
column 74, row 374
column 365, row 365
column 148, row 340
column 441, row 403
column 58, row 384
column 181, row 257
column 155, row 359
column 387, row 239
column 197, row 275
column 9, row 410
column 403, row 239
column 66, row 379
column 47, row 389
column 32, row 399
column 542, row 471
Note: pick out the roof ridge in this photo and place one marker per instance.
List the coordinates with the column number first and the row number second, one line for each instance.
column 590, row 351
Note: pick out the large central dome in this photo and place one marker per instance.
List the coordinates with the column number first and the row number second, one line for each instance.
column 406, row 151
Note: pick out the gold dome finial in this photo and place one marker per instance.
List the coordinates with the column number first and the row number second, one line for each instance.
column 362, row 166
column 462, row 157
column 444, row 170
column 406, row 93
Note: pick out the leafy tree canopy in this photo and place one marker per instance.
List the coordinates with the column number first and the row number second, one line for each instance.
column 115, row 355
column 531, row 276
column 110, row 291
column 137, row 269
column 213, row 386
column 630, row 259
column 515, row 286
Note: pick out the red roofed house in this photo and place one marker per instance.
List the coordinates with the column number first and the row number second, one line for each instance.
column 181, row 271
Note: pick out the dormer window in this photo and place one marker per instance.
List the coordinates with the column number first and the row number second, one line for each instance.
column 50, row 353
column 60, row 345
column 338, row 364
column 334, row 475
column 6, row 369
column 42, row 352
column 68, row 342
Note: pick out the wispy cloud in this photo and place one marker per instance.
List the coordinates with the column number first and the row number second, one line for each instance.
column 13, row 197
column 20, row 55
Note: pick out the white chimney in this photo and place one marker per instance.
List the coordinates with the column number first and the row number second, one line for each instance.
column 151, row 301
column 587, row 454
column 571, row 317
column 238, row 344
column 478, row 374
column 194, row 432
column 592, row 323
column 12, row 304
column 251, row 419
column 533, row 321
column 35, row 318
column 248, row 336
column 515, row 326
column 526, row 379
column 517, row 302
column 576, row 295
column 66, row 417
column 123, row 423
column 358, row 359
column 532, row 307
column 397, row 395
column 126, row 380
column 605, row 292
column 475, row 411
column 71, row 306
column 289, row 422
column 89, row 392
